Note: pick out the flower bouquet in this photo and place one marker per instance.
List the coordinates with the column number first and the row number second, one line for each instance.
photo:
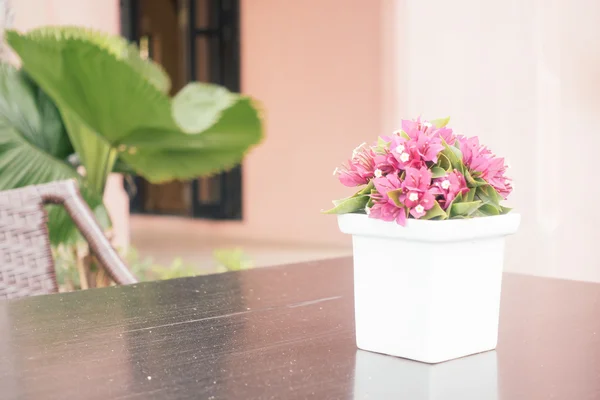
column 428, row 233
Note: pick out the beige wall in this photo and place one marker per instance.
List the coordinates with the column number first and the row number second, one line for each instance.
column 524, row 76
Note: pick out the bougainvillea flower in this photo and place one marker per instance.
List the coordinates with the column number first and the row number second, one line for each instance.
column 417, row 150
column 417, row 179
column 419, row 202
column 399, row 171
column 359, row 169
column 414, row 127
column 386, row 162
column 387, row 183
column 383, row 206
column 475, row 157
column 495, row 176
column 406, row 153
column 388, row 211
column 480, row 159
column 449, row 187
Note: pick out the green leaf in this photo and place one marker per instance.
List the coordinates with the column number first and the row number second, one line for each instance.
column 33, row 145
column 441, row 122
column 96, row 156
column 160, row 138
column 382, row 143
column 488, row 195
column 489, row 209
column 457, row 153
column 394, row 195
column 437, row 172
column 404, row 135
column 367, row 189
column 454, row 155
column 470, row 196
column 121, row 167
column 26, row 108
column 458, row 199
column 198, row 106
column 473, row 182
column 153, row 72
column 444, row 162
column 349, row 205
column 464, row 209
column 505, row 210
column 436, row 212
column 116, row 45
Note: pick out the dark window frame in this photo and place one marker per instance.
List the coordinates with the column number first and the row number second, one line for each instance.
column 225, row 70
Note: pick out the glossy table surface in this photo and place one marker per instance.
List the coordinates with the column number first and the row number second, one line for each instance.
column 283, row 333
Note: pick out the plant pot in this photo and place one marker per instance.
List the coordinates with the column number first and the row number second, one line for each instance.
column 428, row 291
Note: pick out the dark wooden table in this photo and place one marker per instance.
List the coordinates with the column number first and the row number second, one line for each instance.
column 283, row 333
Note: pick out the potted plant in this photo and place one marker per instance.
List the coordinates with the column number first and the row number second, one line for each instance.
column 85, row 104
column 428, row 232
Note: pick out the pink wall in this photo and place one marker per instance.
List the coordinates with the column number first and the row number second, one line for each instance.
column 332, row 73
column 314, row 65
column 317, row 74
column 99, row 14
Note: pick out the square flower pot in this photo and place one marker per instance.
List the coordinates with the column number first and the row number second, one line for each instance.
column 428, row 291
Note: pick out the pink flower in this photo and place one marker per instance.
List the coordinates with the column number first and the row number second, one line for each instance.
column 405, row 153
column 386, row 163
column 417, row 179
column 428, row 147
column 412, row 128
column 475, row 156
column 386, row 184
column 495, row 176
column 417, row 150
column 447, row 135
column 400, row 169
column 360, row 168
column 419, row 202
column 449, row 187
column 419, row 195
column 384, row 207
column 388, row 212
column 480, row 159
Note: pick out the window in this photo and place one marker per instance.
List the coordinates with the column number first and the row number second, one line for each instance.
column 194, row 40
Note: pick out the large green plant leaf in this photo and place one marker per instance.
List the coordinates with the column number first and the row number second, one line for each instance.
column 203, row 130
column 54, row 37
column 94, row 153
column 33, row 145
column 19, row 96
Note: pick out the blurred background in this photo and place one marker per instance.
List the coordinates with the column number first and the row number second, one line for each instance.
column 521, row 74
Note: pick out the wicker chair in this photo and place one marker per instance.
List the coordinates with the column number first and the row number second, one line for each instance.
column 26, row 264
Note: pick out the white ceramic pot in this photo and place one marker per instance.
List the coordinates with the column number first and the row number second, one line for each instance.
column 428, row 291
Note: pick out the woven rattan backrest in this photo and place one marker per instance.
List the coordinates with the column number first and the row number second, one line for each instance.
column 26, row 265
